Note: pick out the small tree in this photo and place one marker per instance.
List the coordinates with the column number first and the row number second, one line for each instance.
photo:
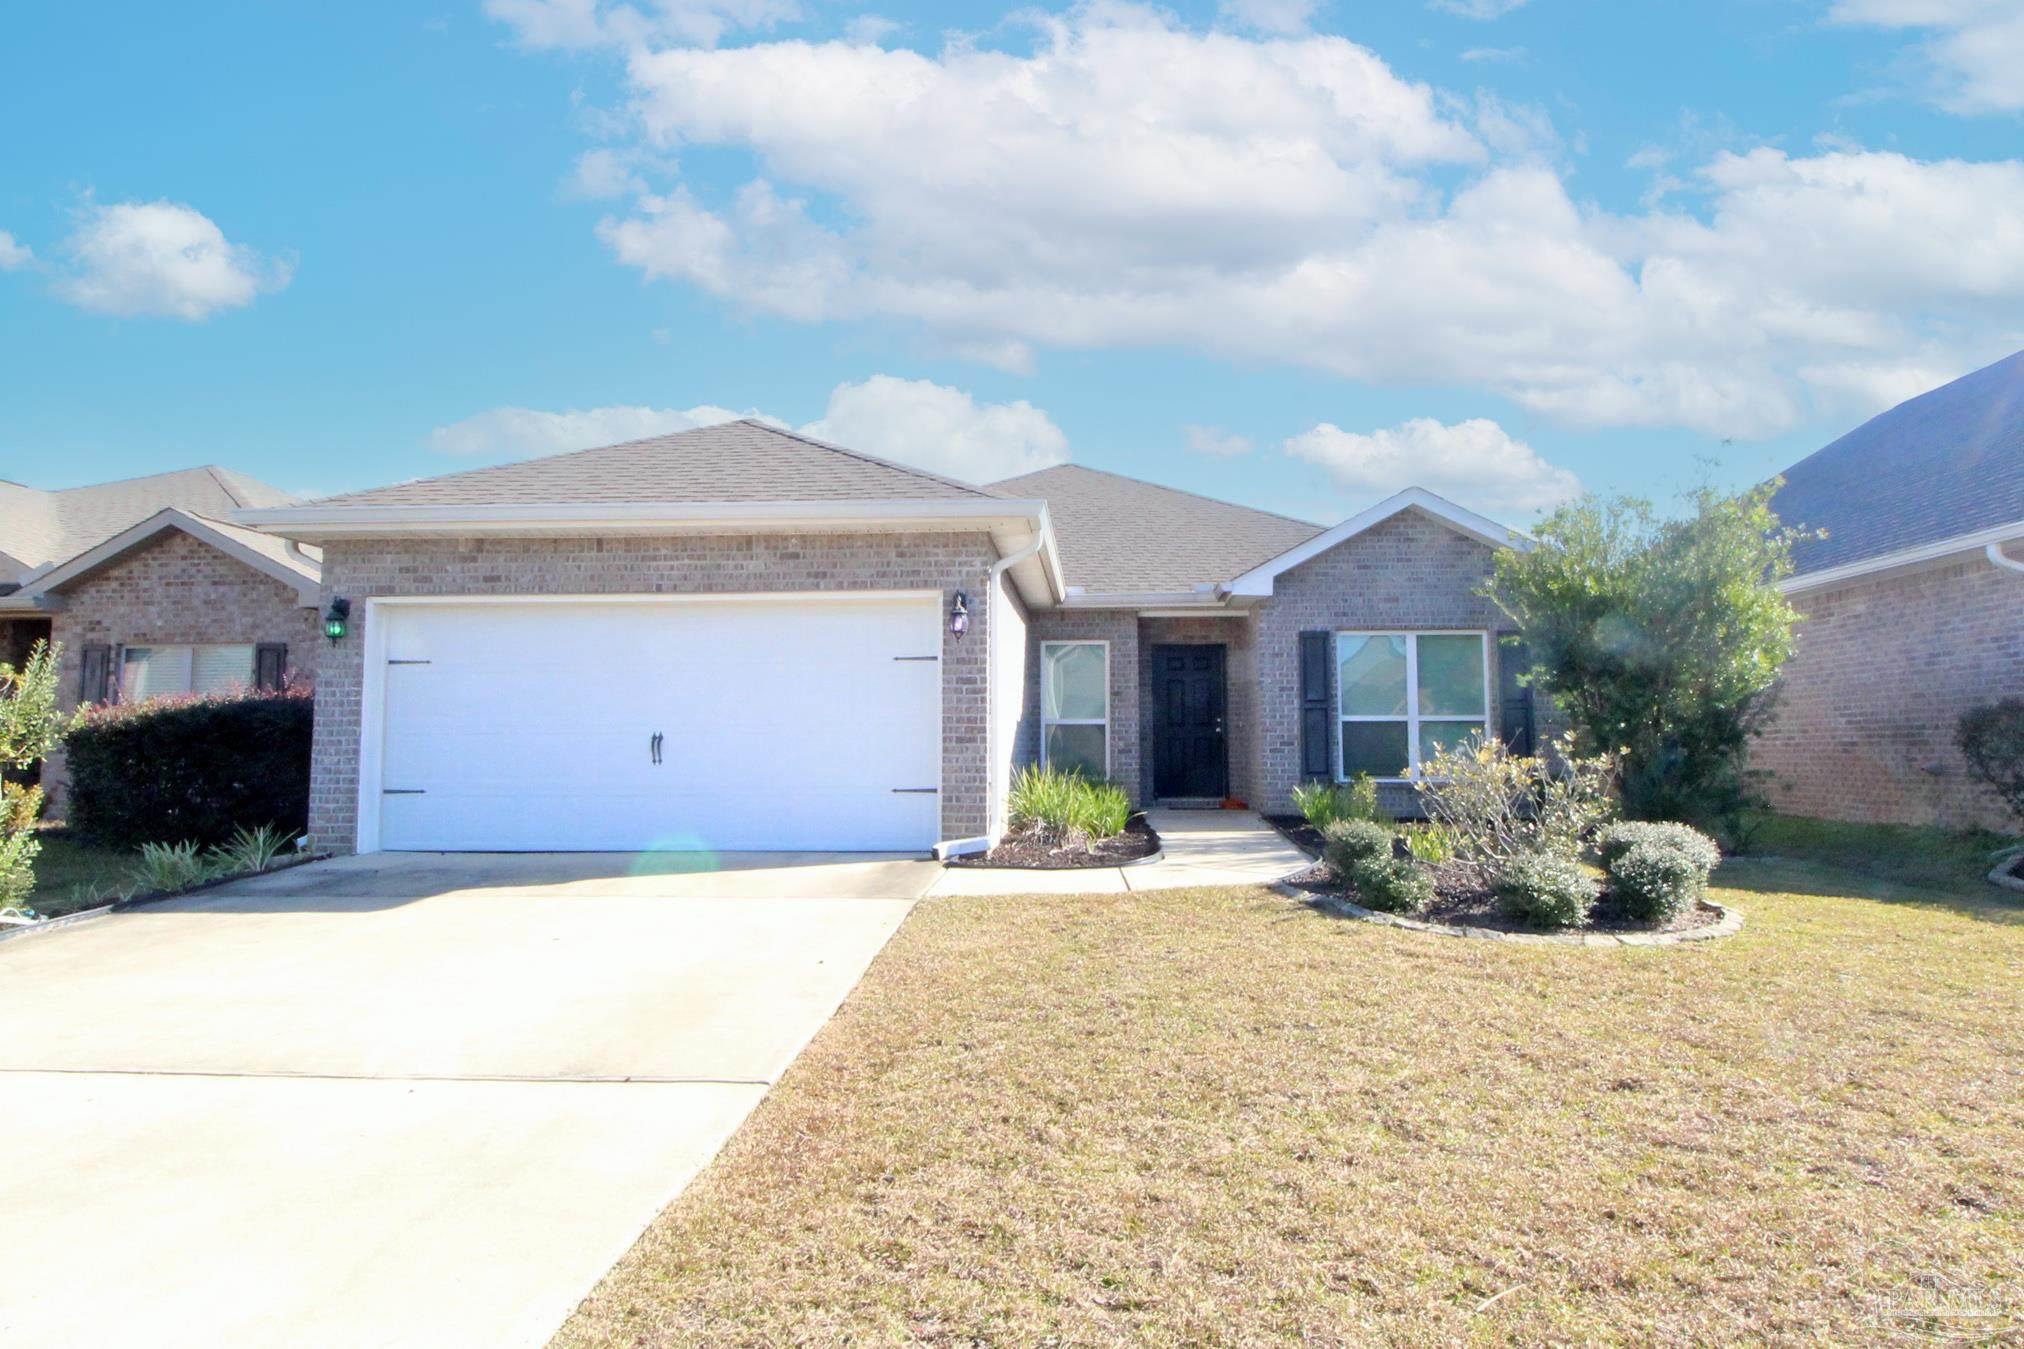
column 1660, row 638
column 29, row 727
column 1991, row 738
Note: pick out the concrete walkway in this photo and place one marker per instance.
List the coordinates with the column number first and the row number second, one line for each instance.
column 1201, row 847
column 400, row 1100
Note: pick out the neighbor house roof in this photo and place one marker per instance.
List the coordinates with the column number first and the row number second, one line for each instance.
column 39, row 529
column 741, row 461
column 1944, row 465
column 1122, row 536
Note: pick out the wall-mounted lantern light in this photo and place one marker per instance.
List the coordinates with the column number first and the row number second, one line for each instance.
column 337, row 619
column 959, row 616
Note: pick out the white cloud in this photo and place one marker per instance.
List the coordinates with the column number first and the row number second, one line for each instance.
column 576, row 25
column 870, row 29
column 1131, row 182
column 602, row 174
column 1975, row 49
column 914, row 422
column 1476, row 9
column 1284, row 17
column 1216, row 441
column 523, row 433
column 1473, row 463
column 13, row 253
column 161, row 258
column 1496, row 54
column 943, row 430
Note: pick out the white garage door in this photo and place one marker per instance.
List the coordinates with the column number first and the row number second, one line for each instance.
column 699, row 724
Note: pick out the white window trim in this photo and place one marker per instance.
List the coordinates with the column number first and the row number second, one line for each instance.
column 1412, row 717
column 1047, row 722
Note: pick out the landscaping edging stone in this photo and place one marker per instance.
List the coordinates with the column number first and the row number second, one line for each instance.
column 2007, row 875
column 1728, row 925
column 156, row 897
column 12, row 931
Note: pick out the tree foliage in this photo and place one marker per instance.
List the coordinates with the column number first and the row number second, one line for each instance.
column 29, row 726
column 1660, row 638
column 1991, row 737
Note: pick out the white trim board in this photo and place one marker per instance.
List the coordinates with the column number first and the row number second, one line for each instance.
column 1905, row 559
column 1258, row 581
column 303, row 580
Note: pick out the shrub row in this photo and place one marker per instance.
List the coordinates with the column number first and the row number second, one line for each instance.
column 191, row 770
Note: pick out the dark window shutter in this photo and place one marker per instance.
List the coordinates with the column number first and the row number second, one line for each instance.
column 96, row 683
column 1518, row 723
column 270, row 665
column 1316, row 710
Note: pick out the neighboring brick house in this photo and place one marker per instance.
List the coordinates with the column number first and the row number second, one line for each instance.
column 147, row 592
column 738, row 637
column 1912, row 605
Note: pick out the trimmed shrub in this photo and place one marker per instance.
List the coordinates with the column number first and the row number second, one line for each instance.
column 1653, row 881
column 1545, row 890
column 1618, row 839
column 1348, row 842
column 1326, row 803
column 1992, row 740
column 1392, row 884
column 190, row 769
column 1063, row 802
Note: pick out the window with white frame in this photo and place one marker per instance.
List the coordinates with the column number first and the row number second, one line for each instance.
column 1405, row 696
column 152, row 671
column 1075, row 707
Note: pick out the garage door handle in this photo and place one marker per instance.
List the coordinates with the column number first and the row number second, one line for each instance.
column 654, row 748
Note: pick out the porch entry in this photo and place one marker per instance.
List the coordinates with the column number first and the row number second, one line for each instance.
column 1191, row 759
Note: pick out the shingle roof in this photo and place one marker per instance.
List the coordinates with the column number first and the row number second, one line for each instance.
column 39, row 528
column 1120, row 535
column 735, row 461
column 1946, row 463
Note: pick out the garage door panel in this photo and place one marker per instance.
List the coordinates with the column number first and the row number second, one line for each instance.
column 783, row 724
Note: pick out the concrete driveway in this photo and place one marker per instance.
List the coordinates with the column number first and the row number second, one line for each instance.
column 406, row 1099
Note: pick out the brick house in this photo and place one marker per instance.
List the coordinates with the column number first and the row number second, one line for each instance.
column 738, row 637
column 1913, row 607
column 149, row 589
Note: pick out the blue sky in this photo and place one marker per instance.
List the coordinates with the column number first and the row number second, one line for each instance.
column 1297, row 255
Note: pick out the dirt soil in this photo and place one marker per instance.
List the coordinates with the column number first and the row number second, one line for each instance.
column 1025, row 850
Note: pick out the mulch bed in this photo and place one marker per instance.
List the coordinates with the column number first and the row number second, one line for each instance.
column 1460, row 900
column 1027, row 851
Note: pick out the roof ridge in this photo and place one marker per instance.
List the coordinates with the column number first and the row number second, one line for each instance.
column 752, row 422
column 120, row 482
column 819, row 443
column 1163, row 487
column 218, row 476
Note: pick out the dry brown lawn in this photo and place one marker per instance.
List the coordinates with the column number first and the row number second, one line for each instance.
column 1219, row 1117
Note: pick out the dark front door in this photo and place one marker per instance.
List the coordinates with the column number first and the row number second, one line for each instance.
column 1189, row 753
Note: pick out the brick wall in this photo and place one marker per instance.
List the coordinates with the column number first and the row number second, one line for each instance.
column 1864, row 726
column 1409, row 572
column 1237, row 636
column 171, row 591
column 686, row 564
column 1119, row 627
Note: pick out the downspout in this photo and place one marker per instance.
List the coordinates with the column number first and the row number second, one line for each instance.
column 998, row 569
column 2003, row 559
